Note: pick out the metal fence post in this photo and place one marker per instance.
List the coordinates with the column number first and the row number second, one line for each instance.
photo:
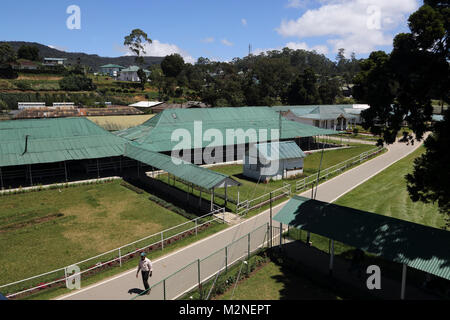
column 120, row 258
column 281, row 234
column 248, row 247
column 196, row 228
column 226, row 259
column 199, row 280
column 162, row 241
column 164, row 288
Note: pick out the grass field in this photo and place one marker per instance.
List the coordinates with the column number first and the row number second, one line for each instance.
column 386, row 194
column 271, row 282
column 115, row 123
column 50, row 229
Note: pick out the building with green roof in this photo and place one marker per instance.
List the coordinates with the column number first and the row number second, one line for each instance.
column 112, row 70
column 273, row 161
column 336, row 117
column 181, row 129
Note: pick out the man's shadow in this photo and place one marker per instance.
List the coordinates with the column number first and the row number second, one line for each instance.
column 136, row 291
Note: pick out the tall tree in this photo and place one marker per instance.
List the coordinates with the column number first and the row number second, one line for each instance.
column 172, row 65
column 28, row 52
column 7, row 54
column 400, row 86
column 136, row 41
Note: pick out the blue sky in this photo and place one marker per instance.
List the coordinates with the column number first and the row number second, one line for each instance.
column 217, row 29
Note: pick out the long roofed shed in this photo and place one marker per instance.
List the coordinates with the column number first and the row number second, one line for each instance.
column 157, row 132
column 24, row 142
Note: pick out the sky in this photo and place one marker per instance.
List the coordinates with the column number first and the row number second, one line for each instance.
column 217, row 29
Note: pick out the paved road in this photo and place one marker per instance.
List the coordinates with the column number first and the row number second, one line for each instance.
column 116, row 288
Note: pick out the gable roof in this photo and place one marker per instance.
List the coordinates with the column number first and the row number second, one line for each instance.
column 55, row 140
column 279, row 150
column 157, row 132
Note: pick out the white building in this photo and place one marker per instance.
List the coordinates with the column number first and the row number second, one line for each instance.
column 273, row 161
column 130, row 74
column 29, row 105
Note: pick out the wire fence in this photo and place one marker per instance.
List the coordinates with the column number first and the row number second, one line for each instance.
column 303, row 184
column 199, row 272
column 245, row 206
column 118, row 256
column 113, row 258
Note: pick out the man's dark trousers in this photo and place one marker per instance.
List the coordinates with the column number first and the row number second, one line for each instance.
column 145, row 279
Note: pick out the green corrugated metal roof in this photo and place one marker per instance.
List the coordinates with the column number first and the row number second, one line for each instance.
column 156, row 133
column 112, row 66
column 418, row 246
column 55, row 140
column 280, row 150
column 186, row 171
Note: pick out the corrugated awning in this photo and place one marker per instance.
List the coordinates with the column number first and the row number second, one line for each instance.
column 418, row 246
column 186, row 171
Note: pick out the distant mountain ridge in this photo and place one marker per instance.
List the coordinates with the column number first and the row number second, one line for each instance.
column 92, row 60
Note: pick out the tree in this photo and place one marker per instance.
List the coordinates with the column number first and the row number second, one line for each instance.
column 304, row 90
column 400, row 86
column 76, row 83
column 28, row 52
column 142, row 78
column 135, row 41
column 430, row 180
column 7, row 54
column 172, row 65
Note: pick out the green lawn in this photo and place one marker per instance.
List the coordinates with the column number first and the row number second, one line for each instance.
column 386, row 194
column 50, row 229
column 272, row 282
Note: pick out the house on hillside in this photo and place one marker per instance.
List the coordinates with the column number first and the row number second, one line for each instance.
column 112, row 70
column 130, row 74
column 51, row 62
column 273, row 161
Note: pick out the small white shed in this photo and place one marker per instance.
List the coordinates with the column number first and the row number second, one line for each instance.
column 273, row 161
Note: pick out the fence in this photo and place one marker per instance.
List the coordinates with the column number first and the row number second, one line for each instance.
column 200, row 271
column 340, row 167
column 245, row 206
column 113, row 258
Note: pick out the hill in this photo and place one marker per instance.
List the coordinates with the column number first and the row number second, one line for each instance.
column 92, row 60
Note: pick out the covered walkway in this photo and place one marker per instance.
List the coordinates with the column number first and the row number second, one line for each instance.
column 410, row 244
column 189, row 173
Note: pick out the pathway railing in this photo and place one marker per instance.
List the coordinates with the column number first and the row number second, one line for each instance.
column 247, row 205
column 200, row 271
column 303, row 184
column 112, row 258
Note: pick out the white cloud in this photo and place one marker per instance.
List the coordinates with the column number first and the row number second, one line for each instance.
column 208, row 40
column 356, row 25
column 244, row 22
column 321, row 49
column 227, row 43
column 159, row 49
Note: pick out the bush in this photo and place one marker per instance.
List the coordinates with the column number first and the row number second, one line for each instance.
column 76, row 83
column 355, row 131
column 7, row 72
column 22, row 85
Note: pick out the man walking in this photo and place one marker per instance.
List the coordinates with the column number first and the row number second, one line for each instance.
column 146, row 266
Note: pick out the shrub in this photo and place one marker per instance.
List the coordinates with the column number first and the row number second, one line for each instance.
column 76, row 83
column 22, row 85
